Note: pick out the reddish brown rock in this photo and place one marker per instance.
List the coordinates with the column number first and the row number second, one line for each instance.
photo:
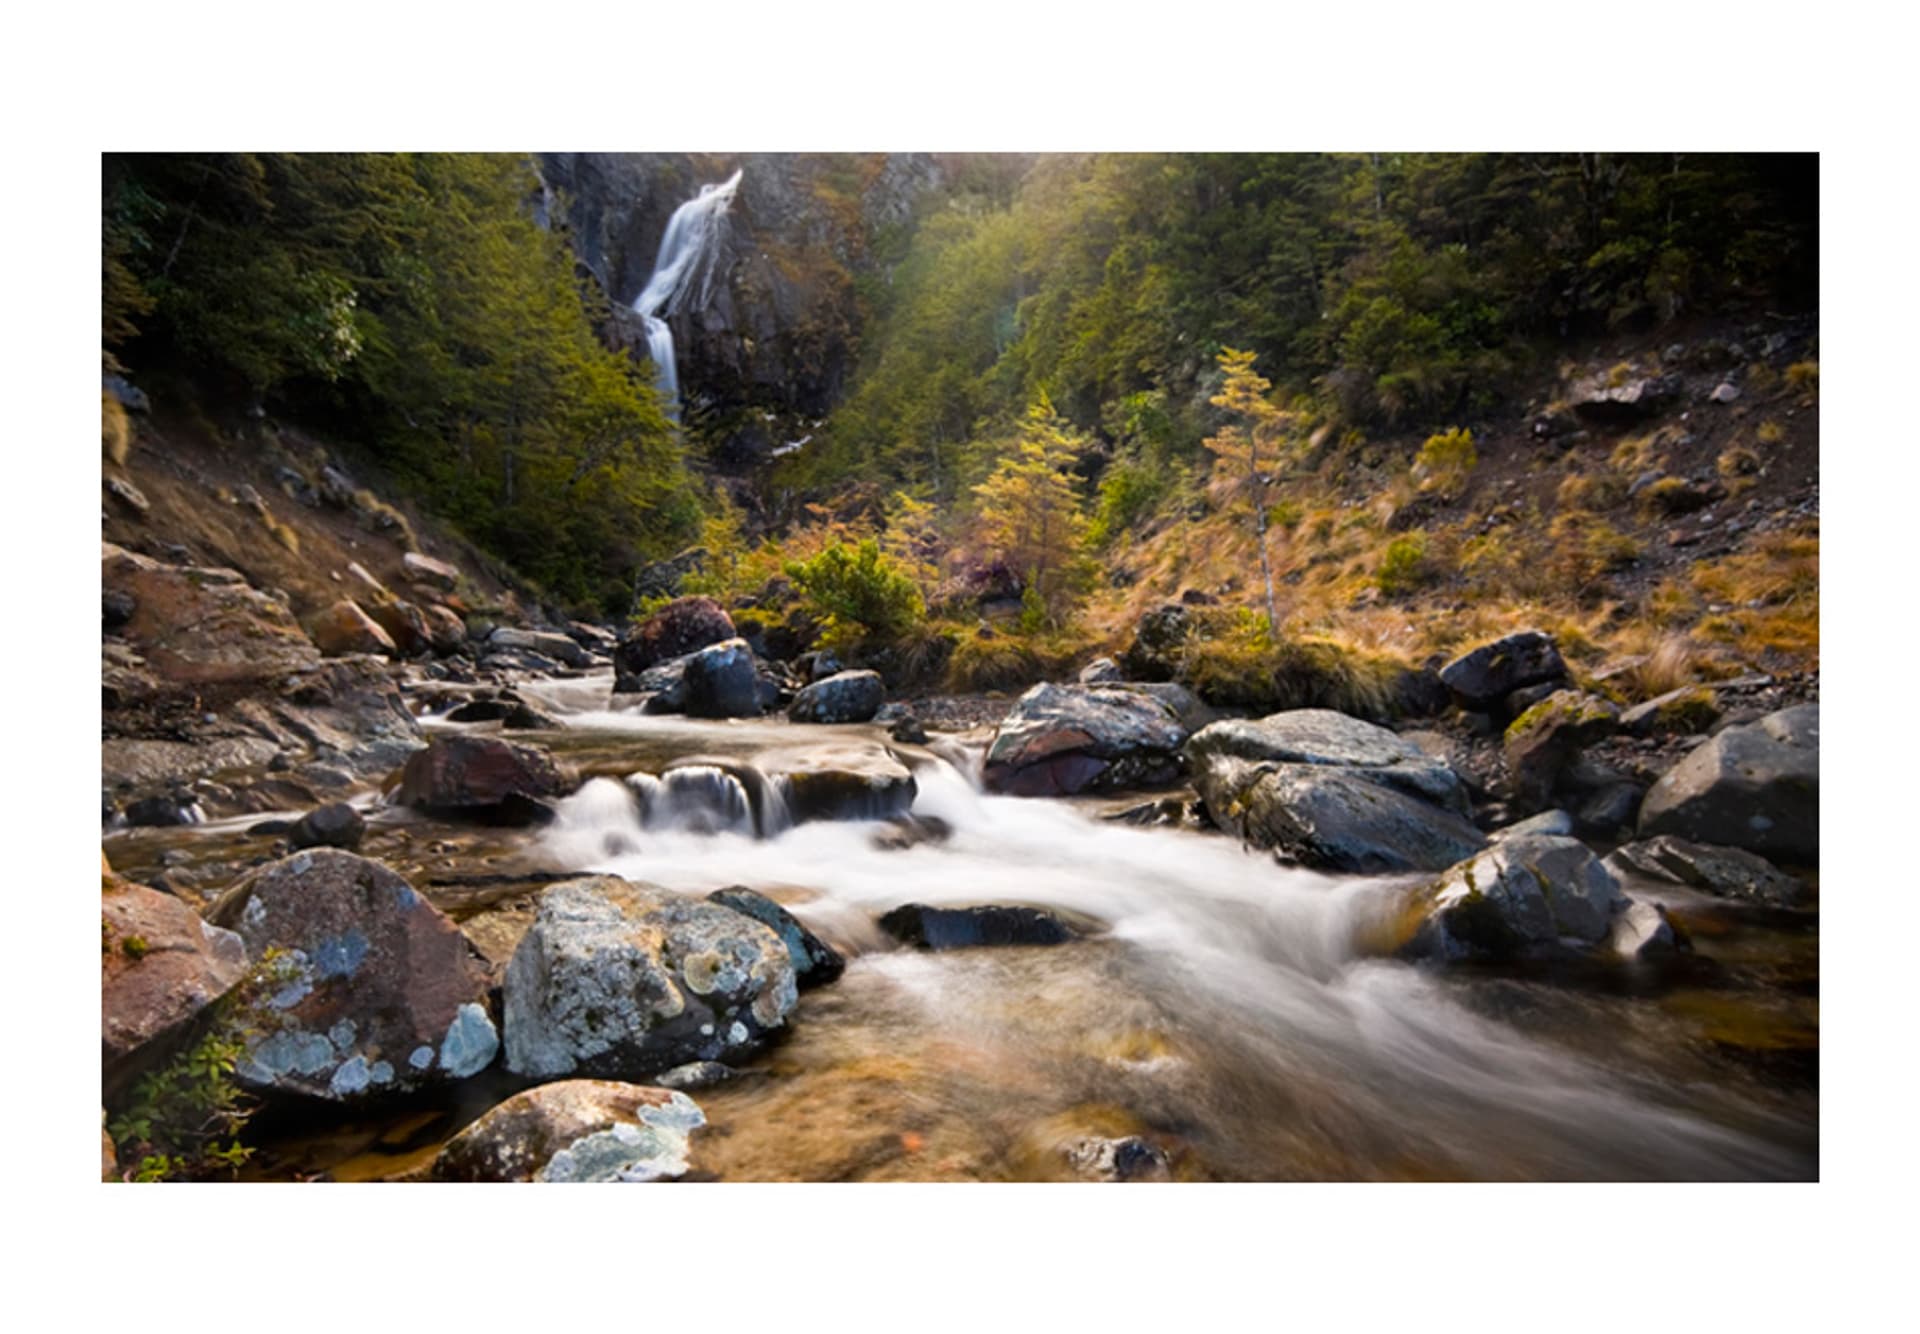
column 471, row 773
column 345, row 628
column 445, row 630
column 161, row 966
column 378, row 990
column 405, row 624
column 677, row 629
column 426, row 570
column 196, row 626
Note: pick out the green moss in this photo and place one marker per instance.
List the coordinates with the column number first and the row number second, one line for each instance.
column 135, row 947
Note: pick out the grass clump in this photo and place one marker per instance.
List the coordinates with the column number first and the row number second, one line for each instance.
column 1242, row 667
column 1672, row 496
column 1770, row 432
column 1404, row 566
column 1693, row 710
column 988, row 663
column 1803, row 377
column 1590, row 491
column 116, row 435
column 1446, row 460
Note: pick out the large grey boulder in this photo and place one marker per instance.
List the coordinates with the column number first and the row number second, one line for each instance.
column 1542, row 742
column 577, row 1130
column 1331, row 791
column 1755, row 786
column 1729, row 872
column 815, row 962
column 721, row 681
column 844, row 697
column 621, row 980
column 547, row 644
column 1533, row 895
column 378, row 991
column 1483, row 677
column 1058, row 740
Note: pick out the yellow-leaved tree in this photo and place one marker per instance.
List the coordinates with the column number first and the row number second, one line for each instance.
column 1249, row 450
column 1030, row 511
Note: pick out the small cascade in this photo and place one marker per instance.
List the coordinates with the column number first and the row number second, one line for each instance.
column 695, row 799
column 683, row 276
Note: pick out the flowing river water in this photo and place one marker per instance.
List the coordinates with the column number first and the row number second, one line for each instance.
column 1224, row 1007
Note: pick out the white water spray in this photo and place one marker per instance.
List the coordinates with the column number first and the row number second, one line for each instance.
column 683, row 275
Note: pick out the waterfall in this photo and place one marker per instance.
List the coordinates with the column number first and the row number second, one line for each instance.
column 683, row 275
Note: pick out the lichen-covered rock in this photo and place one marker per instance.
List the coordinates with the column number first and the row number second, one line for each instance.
column 561, row 648
column 814, row 961
column 1480, row 679
column 380, row 992
column 476, row 775
column 1331, row 791
column 1730, row 872
column 1549, row 736
column 345, row 628
column 577, row 1130
column 1132, row 1158
column 622, row 980
column 967, row 928
column 1755, row 786
column 161, row 966
column 1526, row 896
column 844, row 697
column 196, row 626
column 683, row 626
column 1159, row 643
column 721, row 681
column 1058, row 740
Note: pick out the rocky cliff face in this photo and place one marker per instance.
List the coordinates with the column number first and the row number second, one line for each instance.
column 782, row 330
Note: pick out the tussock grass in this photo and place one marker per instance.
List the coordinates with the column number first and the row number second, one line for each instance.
column 116, row 434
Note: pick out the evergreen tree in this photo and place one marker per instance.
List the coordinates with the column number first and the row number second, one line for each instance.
column 1030, row 513
column 1249, row 450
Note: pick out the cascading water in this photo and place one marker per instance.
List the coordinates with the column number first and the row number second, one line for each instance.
column 683, row 275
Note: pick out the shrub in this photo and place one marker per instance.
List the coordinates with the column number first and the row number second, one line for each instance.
column 1446, row 459
column 1739, row 461
column 1770, row 433
column 1404, row 567
column 1585, row 548
column 1129, row 491
column 115, row 434
column 1803, row 377
column 1590, row 491
column 858, row 592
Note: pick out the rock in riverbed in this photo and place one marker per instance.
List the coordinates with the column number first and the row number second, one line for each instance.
column 1755, row 786
column 683, row 626
column 1729, row 872
column 1526, row 896
column 480, row 776
column 161, row 967
column 814, row 961
column 965, row 928
column 1059, row 740
column 844, row 697
column 577, row 1130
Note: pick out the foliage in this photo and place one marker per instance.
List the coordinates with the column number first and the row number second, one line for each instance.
column 1403, row 566
column 1241, row 666
column 1030, row 514
column 1255, row 442
column 116, row 437
column 860, row 593
column 1803, row 377
column 1445, row 460
column 411, row 298
column 984, row 663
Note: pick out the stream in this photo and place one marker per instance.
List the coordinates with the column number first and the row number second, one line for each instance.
column 1221, row 1005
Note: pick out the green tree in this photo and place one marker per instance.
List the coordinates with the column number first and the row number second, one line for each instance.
column 1030, row 511
column 1249, row 449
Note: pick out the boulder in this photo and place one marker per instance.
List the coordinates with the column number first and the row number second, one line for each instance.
column 1064, row 739
column 814, row 961
column 1527, row 896
column 1549, row 736
column 379, row 992
column 195, row 626
column 677, row 629
column 1606, row 404
column 1100, row 672
column 965, row 928
column 445, row 630
column 721, row 681
column 1159, row 644
column 1643, row 931
column 337, row 825
column 1682, row 712
column 405, row 624
column 477, row 775
column 1481, row 678
column 426, row 570
column 161, row 967
column 1729, row 872
column 844, row 697
column 1331, row 791
column 577, row 1130
column 346, row 628
column 1547, row 822
column 592, row 637
column 617, row 979
column 561, row 648
column 1755, row 786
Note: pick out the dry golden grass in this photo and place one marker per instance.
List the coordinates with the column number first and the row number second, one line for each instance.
column 1803, row 377
column 1590, row 491
column 1770, row 432
column 1633, row 455
column 116, row 436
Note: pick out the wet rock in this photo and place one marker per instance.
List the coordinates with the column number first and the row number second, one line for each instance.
column 814, row 961
column 1128, row 1159
column 379, row 992
column 1729, row 872
column 1643, row 931
column 1524, row 896
column 577, row 1130
column 966, row 928
column 481, row 711
column 1542, row 742
column 164, row 811
column 1101, row 671
column 851, row 782
column 560, row 648
column 1064, row 739
column 696, row 1075
column 1483, row 677
column 681, row 627
column 161, row 967
column 1755, row 787
column 721, row 681
column 426, row 570
column 475, row 775
column 908, row 730
column 337, row 825
column 345, row 628
column 844, row 697
column 525, row 718
column 1159, row 644
column 1547, row 822
column 1326, row 737
column 196, row 626
column 618, row 979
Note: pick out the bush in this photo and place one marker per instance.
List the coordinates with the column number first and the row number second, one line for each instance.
column 1404, row 567
column 1590, row 491
column 1128, row 492
column 1446, row 460
column 1803, row 377
column 1770, row 433
column 859, row 593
